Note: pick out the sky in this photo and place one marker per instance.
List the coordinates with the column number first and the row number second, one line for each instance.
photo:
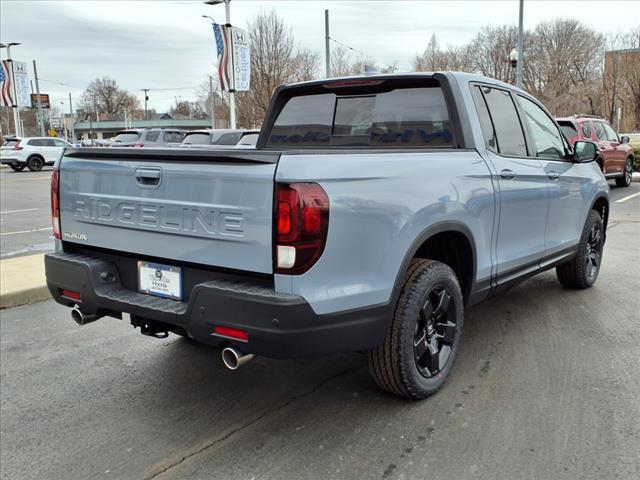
column 168, row 47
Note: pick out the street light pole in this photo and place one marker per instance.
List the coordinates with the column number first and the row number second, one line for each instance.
column 213, row 102
column 520, row 47
column 16, row 110
column 146, row 99
column 39, row 103
column 232, row 99
column 73, row 127
column 327, row 51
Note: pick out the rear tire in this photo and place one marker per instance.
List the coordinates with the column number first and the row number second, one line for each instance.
column 421, row 345
column 17, row 167
column 582, row 271
column 35, row 164
column 627, row 175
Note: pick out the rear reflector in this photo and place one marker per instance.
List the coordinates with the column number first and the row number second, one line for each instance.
column 71, row 294
column 231, row 333
column 55, row 203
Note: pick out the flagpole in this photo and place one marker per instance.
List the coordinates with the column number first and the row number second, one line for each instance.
column 232, row 95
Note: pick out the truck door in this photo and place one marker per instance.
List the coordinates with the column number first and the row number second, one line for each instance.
column 521, row 181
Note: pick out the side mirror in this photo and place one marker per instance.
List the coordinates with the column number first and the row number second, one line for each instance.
column 624, row 139
column 585, row 152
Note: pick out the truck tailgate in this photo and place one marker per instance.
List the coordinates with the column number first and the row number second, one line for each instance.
column 204, row 207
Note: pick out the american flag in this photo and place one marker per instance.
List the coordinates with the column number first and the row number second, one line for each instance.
column 221, row 35
column 6, row 88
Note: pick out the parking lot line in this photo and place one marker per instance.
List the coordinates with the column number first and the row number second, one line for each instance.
column 628, row 197
column 27, row 231
column 18, row 211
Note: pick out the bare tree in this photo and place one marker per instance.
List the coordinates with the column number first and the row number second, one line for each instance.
column 274, row 61
column 345, row 63
column 489, row 52
column 103, row 95
column 434, row 58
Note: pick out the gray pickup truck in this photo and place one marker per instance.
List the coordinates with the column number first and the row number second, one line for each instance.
column 371, row 213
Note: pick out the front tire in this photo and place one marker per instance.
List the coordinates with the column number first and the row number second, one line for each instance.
column 627, row 176
column 35, row 164
column 421, row 345
column 582, row 271
column 17, row 167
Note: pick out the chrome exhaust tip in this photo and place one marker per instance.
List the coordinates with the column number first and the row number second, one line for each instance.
column 82, row 318
column 234, row 358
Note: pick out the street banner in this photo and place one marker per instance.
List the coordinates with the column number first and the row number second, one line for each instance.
column 6, row 85
column 234, row 60
column 44, row 100
column 241, row 60
column 21, row 77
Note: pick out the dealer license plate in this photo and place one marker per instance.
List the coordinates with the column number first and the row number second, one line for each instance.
column 161, row 280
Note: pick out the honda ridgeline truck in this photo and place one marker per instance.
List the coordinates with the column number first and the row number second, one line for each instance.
column 371, row 213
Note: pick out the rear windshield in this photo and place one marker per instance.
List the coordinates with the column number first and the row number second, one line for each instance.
column 173, row 137
column 11, row 143
column 568, row 129
column 404, row 117
column 126, row 137
column 197, row 138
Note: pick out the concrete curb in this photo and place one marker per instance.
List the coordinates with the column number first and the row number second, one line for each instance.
column 635, row 177
column 22, row 281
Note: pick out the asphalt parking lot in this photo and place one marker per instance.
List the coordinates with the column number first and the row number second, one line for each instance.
column 547, row 386
column 25, row 215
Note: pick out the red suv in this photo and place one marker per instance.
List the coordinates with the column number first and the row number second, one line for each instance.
column 616, row 155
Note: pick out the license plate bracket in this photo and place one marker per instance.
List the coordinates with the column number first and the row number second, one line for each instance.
column 160, row 280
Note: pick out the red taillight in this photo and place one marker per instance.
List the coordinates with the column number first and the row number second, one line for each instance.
column 18, row 146
column 71, row 294
column 55, row 203
column 301, row 224
column 139, row 145
column 231, row 333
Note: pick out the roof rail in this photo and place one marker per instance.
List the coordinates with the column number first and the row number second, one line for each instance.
column 589, row 116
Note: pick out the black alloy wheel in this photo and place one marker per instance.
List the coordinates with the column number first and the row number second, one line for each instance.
column 594, row 251
column 435, row 332
column 35, row 164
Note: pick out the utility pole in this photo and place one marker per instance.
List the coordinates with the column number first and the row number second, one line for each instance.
column 146, row 99
column 520, row 47
column 38, row 102
column 327, row 51
column 73, row 120
column 213, row 102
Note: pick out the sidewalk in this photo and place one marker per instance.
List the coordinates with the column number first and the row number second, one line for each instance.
column 22, row 281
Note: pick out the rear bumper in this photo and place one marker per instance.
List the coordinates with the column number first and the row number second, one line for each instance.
column 9, row 161
column 278, row 325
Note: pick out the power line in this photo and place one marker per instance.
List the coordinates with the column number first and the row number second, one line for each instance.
column 350, row 48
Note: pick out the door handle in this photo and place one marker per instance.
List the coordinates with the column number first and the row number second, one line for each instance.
column 148, row 177
column 554, row 176
column 507, row 174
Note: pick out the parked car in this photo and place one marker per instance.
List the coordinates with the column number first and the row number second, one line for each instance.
column 31, row 152
column 248, row 139
column 218, row 137
column 124, row 138
column 158, row 138
column 616, row 155
column 372, row 211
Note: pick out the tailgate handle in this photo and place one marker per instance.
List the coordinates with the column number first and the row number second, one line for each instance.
column 148, row 177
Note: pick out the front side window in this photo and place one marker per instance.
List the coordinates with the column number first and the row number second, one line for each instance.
column 399, row 118
column 506, row 122
column 173, row 137
column 586, row 129
column 612, row 136
column 61, row 143
column 546, row 137
column 600, row 133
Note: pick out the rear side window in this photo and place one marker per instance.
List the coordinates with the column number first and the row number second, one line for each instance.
column 151, row 136
column 506, row 122
column 486, row 126
column 37, row 142
column 586, row 129
column 400, row 118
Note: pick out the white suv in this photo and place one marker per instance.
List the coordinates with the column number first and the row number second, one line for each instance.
column 32, row 152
